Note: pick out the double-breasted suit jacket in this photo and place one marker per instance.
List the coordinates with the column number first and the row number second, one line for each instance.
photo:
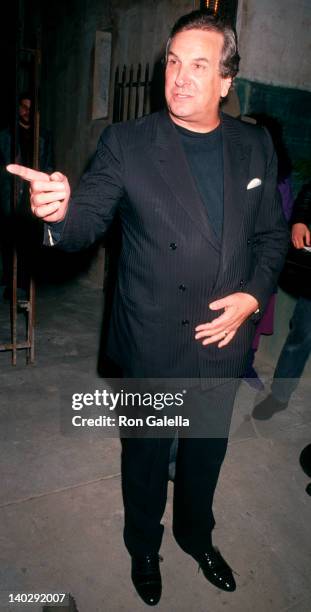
column 172, row 265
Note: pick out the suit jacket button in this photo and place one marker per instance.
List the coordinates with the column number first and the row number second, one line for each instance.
column 185, row 322
column 182, row 287
column 241, row 282
column 173, row 246
column 248, row 241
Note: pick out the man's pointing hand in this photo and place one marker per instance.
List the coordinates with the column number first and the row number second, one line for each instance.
column 49, row 194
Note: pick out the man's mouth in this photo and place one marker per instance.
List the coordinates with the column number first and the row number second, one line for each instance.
column 181, row 96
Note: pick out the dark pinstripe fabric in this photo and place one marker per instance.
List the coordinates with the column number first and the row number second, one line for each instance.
column 171, row 264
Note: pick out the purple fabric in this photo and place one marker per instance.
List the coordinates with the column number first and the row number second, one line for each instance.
column 286, row 191
column 265, row 325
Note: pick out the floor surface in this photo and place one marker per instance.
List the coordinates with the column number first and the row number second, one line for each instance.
column 61, row 513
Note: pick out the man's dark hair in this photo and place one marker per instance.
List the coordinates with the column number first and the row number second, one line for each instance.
column 207, row 20
column 25, row 95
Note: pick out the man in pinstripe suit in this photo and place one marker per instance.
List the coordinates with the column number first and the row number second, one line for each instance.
column 203, row 243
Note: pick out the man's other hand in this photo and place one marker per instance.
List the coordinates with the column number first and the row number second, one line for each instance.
column 237, row 308
column 300, row 235
column 49, row 194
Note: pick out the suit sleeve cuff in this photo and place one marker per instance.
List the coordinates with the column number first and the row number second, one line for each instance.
column 52, row 233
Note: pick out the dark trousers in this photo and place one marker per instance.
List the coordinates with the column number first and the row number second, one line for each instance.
column 145, row 464
column 295, row 352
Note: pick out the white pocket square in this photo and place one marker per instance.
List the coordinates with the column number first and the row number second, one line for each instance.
column 255, row 182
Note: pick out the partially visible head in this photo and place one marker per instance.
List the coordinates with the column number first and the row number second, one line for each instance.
column 24, row 108
column 206, row 20
column 275, row 128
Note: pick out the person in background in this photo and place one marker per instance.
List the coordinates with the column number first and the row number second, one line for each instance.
column 297, row 347
column 20, row 228
column 284, row 183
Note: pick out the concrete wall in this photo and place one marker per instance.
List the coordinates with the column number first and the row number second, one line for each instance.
column 142, row 27
column 67, row 69
column 275, row 75
column 275, row 41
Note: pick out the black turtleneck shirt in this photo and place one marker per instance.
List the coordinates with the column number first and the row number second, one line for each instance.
column 205, row 158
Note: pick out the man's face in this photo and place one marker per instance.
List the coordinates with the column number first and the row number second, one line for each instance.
column 24, row 111
column 193, row 85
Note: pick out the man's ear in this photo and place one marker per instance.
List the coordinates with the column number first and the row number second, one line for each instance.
column 225, row 85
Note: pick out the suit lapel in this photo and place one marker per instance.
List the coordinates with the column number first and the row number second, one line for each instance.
column 173, row 166
column 236, row 164
column 170, row 159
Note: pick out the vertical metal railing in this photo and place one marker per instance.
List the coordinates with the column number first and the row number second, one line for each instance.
column 36, row 140
column 131, row 93
column 28, row 309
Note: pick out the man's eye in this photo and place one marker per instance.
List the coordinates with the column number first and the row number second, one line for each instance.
column 172, row 62
column 198, row 66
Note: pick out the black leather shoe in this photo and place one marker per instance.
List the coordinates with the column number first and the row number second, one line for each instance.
column 146, row 578
column 216, row 569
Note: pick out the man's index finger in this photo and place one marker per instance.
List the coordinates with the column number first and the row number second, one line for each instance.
column 28, row 174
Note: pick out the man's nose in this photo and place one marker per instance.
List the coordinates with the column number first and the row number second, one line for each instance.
column 182, row 76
